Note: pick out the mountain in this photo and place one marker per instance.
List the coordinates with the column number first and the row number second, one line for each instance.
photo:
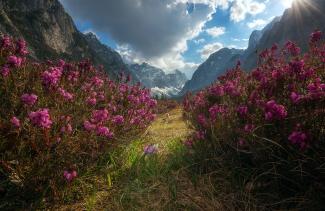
column 296, row 24
column 158, row 81
column 51, row 34
column 214, row 66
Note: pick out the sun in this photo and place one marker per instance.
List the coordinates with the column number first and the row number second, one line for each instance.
column 287, row 3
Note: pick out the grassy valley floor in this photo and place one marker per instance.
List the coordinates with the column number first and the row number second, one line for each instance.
column 130, row 180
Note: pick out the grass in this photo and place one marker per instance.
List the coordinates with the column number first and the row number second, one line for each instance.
column 129, row 180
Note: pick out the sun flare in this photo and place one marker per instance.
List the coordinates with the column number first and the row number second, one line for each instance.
column 287, row 3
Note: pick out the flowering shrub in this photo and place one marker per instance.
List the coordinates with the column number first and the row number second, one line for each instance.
column 267, row 127
column 58, row 117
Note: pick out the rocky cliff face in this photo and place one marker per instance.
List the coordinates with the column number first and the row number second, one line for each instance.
column 214, row 66
column 51, row 33
column 158, row 81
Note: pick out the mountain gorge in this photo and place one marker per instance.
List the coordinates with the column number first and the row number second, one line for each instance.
column 51, row 34
column 295, row 25
column 160, row 83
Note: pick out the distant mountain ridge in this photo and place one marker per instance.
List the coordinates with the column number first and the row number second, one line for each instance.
column 51, row 34
column 296, row 24
column 160, row 83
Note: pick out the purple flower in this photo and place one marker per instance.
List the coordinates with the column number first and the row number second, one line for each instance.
column 299, row 138
column 66, row 95
column 104, row 131
column 249, row 128
column 99, row 116
column 41, row 118
column 89, row 126
column 295, row 98
column 29, row 99
column 274, row 111
column 15, row 122
column 202, row 120
column 215, row 110
column 51, row 77
column 5, row 71
column 150, row 149
column 14, row 61
column 242, row 110
column 118, row 119
column 70, row 175
column 91, row 101
column 315, row 36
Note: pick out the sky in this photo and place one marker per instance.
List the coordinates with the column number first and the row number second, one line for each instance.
column 173, row 34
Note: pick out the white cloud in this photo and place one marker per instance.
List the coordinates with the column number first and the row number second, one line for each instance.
column 209, row 49
column 199, row 41
column 241, row 8
column 235, row 39
column 168, row 62
column 216, row 31
column 257, row 23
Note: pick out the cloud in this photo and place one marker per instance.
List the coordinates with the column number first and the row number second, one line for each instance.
column 241, row 8
column 199, row 41
column 209, row 49
column 168, row 62
column 257, row 23
column 216, row 31
column 150, row 30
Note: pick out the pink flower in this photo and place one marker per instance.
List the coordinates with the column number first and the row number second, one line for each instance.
column 242, row 110
column 217, row 90
column 51, row 77
column 99, row 116
column 14, row 61
column 241, row 142
column 315, row 36
column 200, row 135
column 249, row 128
column 118, row 119
column 67, row 129
column 15, row 122
column 292, row 48
column 21, row 47
column 5, row 42
column 189, row 143
column 5, row 71
column 41, row 118
column 295, row 98
column 215, row 110
column 89, row 126
column 29, row 99
column 91, row 101
column 274, row 111
column 202, row 120
column 66, row 95
column 104, row 131
column 299, row 138
column 69, row 175
column 96, row 81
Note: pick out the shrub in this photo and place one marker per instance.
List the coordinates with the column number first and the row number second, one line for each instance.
column 56, row 117
column 267, row 127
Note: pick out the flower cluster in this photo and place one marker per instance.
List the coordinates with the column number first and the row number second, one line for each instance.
column 29, row 99
column 273, row 127
column 43, row 104
column 41, row 118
